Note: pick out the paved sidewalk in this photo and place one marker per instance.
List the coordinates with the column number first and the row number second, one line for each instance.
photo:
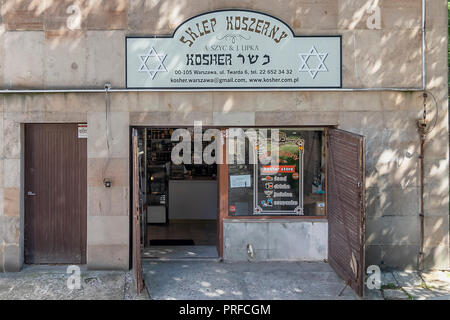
column 50, row 283
column 412, row 285
column 195, row 280
column 181, row 279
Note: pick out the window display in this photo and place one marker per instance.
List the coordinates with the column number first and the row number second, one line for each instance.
column 292, row 183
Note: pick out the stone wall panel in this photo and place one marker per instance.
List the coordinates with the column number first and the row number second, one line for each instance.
column 42, row 52
column 24, row 59
column 23, row 15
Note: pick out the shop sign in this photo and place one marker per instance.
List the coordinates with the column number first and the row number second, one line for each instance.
column 233, row 49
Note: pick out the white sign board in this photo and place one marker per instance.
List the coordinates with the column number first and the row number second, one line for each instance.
column 82, row 131
column 233, row 49
column 241, row 181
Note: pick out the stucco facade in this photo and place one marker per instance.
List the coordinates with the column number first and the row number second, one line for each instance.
column 39, row 51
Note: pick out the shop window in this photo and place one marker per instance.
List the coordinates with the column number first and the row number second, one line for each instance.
column 286, row 178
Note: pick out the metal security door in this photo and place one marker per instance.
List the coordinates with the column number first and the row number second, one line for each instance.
column 346, row 206
column 136, row 209
column 55, row 194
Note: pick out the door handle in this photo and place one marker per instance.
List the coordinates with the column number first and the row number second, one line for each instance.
column 30, row 193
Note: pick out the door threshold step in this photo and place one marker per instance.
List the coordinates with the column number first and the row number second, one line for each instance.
column 163, row 259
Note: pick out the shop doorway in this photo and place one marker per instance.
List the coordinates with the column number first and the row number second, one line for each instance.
column 332, row 191
column 178, row 201
column 55, row 194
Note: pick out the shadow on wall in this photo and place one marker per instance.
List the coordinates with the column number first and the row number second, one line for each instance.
column 393, row 190
column 80, row 43
column 78, row 35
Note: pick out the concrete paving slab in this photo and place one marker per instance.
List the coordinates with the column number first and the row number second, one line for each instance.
column 50, row 283
column 387, row 279
column 193, row 280
column 439, row 280
column 407, row 278
column 395, row 294
column 402, row 285
column 420, row 293
column 440, row 291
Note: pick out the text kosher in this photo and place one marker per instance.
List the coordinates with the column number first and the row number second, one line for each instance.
column 233, row 23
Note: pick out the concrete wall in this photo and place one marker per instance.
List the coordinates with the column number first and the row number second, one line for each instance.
column 275, row 240
column 39, row 51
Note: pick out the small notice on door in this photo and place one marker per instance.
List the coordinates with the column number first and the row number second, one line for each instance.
column 82, row 131
column 241, row 181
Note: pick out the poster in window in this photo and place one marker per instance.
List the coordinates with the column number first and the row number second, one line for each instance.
column 279, row 183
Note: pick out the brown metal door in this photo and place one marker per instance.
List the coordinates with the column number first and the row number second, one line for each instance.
column 136, row 208
column 55, row 194
column 346, row 206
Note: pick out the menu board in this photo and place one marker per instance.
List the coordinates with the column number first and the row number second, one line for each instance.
column 279, row 188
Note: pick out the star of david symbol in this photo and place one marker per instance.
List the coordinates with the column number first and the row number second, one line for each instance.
column 313, row 71
column 160, row 57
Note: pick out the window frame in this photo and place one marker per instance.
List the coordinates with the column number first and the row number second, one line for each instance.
column 223, row 181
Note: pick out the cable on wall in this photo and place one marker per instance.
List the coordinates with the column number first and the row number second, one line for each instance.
column 106, row 181
column 424, row 129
